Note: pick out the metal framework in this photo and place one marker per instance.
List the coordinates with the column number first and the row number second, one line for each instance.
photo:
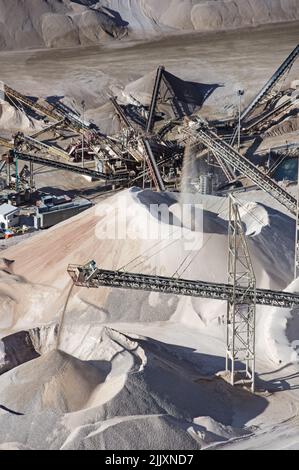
column 202, row 133
column 264, row 97
column 151, row 118
column 241, row 296
column 72, row 121
column 121, row 113
column 267, row 117
column 29, row 142
column 153, row 167
column 266, row 91
column 225, row 168
column 66, row 166
column 91, row 276
column 240, row 322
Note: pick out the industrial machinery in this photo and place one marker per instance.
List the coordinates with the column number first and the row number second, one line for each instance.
column 148, row 151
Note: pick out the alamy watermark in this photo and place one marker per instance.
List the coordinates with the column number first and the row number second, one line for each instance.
column 125, row 220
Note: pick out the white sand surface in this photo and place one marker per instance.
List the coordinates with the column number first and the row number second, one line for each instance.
column 141, row 376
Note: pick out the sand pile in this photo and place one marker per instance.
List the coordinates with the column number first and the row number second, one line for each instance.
column 12, row 119
column 202, row 15
column 116, row 234
column 177, row 97
column 227, row 14
column 143, row 375
column 15, row 295
column 40, row 23
column 135, row 394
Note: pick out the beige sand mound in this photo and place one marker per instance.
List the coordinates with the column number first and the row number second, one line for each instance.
column 40, row 23
column 227, row 14
column 139, row 385
column 116, row 234
column 55, row 381
column 12, row 119
column 146, row 432
column 21, row 300
column 164, row 392
column 203, row 15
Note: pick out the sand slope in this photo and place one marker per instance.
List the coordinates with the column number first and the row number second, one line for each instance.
column 144, row 387
column 91, row 235
column 143, row 375
column 41, row 23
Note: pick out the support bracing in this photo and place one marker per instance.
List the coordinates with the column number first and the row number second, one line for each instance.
column 66, row 166
column 240, row 324
column 265, row 92
column 202, row 133
column 17, row 172
column 225, row 168
column 151, row 118
column 51, row 112
column 153, row 167
column 121, row 113
column 2, row 166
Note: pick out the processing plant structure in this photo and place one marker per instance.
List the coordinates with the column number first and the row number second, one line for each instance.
column 149, row 151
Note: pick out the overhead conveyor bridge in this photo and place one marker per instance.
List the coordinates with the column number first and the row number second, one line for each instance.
column 90, row 276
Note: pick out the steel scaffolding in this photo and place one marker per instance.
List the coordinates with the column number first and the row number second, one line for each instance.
column 240, row 323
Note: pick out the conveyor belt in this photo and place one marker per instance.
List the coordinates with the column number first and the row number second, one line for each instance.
column 67, row 167
column 92, row 277
column 266, row 90
column 271, row 114
column 48, row 129
column 121, row 113
column 51, row 112
column 288, row 147
column 153, row 167
column 21, row 138
column 209, row 138
column 167, row 127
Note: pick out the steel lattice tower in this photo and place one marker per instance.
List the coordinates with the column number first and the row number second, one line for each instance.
column 241, row 308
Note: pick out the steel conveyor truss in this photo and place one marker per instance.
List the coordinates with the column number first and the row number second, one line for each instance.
column 201, row 133
column 90, row 276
